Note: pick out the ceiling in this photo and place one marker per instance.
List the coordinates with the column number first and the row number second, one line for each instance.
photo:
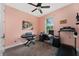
column 28, row 8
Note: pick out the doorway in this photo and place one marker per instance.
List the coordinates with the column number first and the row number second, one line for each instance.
column 1, row 29
column 49, row 24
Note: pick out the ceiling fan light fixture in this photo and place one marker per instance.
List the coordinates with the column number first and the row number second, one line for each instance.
column 39, row 7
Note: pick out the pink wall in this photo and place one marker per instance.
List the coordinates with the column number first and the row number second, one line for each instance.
column 14, row 17
column 13, row 24
column 69, row 13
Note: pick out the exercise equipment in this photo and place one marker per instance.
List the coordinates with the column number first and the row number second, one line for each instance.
column 68, row 29
column 65, row 50
column 43, row 36
column 56, row 42
column 50, row 38
column 47, row 38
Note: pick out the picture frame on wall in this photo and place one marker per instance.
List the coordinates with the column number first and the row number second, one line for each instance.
column 63, row 21
column 27, row 25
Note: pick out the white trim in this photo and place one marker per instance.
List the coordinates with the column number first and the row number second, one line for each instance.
column 45, row 22
column 45, row 25
column 15, row 45
column 1, row 29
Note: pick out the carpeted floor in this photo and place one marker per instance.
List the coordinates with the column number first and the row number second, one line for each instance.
column 39, row 49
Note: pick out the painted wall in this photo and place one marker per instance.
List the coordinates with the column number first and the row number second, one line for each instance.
column 69, row 13
column 14, row 18
column 13, row 25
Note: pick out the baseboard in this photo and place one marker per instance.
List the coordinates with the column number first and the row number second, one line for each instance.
column 21, row 43
column 15, row 45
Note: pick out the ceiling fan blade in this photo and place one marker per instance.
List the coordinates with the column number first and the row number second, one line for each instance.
column 32, row 4
column 45, row 6
column 39, row 4
column 40, row 11
column 34, row 9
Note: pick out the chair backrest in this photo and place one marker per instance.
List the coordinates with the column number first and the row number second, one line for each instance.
column 28, row 33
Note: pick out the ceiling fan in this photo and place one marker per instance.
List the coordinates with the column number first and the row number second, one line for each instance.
column 38, row 7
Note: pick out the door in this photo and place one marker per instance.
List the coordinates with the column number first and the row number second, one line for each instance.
column 1, row 29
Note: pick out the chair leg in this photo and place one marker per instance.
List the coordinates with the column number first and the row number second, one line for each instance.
column 29, row 43
column 33, row 42
column 26, row 43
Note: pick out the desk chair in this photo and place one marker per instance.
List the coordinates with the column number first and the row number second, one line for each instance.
column 29, row 37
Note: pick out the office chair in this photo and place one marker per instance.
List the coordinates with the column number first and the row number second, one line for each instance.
column 29, row 37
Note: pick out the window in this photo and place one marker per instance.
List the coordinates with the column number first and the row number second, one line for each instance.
column 49, row 24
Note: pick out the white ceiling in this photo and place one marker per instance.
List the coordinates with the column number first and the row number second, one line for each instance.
column 28, row 8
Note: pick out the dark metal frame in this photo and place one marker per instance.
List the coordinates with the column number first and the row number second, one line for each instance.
column 69, row 30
